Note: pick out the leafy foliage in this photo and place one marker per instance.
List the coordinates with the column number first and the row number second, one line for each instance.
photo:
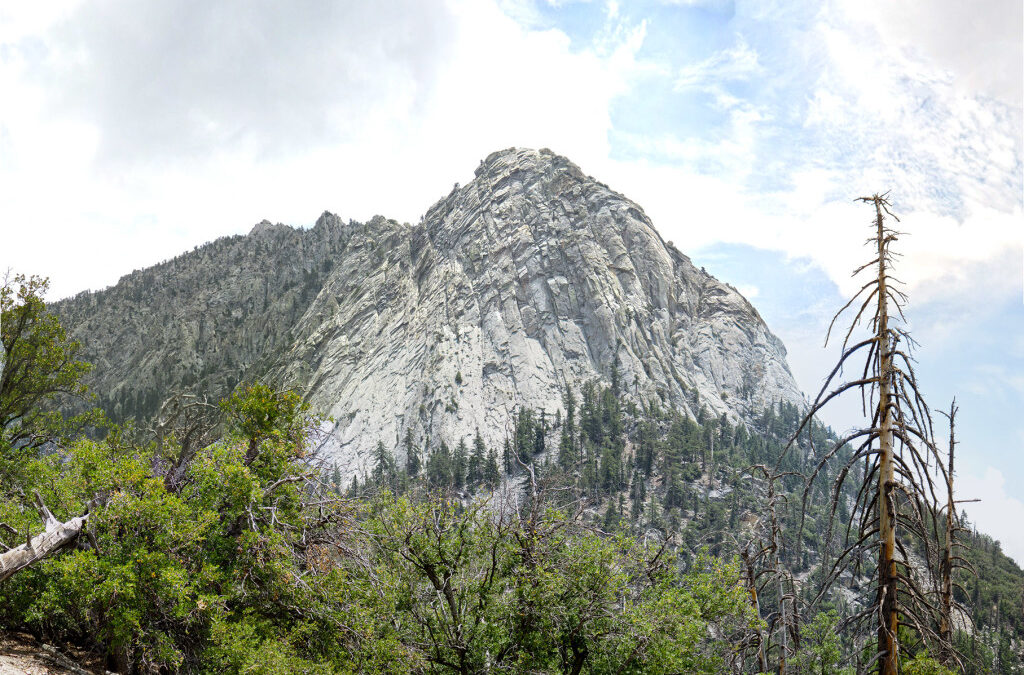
column 248, row 565
column 40, row 365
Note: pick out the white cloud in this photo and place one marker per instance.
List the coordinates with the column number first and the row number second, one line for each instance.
column 712, row 4
column 218, row 119
column 979, row 43
column 749, row 291
column 998, row 514
column 736, row 63
column 993, row 380
column 177, row 127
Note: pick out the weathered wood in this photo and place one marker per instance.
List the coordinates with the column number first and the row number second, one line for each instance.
column 762, row 658
column 946, row 567
column 888, row 598
column 55, row 537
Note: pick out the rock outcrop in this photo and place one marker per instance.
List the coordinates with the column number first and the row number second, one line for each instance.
column 531, row 278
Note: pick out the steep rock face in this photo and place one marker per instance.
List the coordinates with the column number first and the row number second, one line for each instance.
column 531, row 278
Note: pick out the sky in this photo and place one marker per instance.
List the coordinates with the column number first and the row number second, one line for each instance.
column 130, row 132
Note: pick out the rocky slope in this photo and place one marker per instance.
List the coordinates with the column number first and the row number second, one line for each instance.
column 206, row 319
column 530, row 278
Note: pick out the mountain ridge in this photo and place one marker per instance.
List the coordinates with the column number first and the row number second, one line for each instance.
column 530, row 278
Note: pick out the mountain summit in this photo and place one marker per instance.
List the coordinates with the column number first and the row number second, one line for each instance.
column 532, row 278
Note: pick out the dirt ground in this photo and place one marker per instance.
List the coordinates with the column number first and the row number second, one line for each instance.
column 20, row 654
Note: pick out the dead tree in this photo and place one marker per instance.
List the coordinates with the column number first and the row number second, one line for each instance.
column 751, row 579
column 764, row 567
column 55, row 536
column 896, row 498
column 188, row 423
column 951, row 560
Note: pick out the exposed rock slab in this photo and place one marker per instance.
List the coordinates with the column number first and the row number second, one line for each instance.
column 531, row 278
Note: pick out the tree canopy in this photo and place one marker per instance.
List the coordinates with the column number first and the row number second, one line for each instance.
column 39, row 364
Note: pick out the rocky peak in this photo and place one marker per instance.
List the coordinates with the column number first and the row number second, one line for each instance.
column 531, row 279
column 328, row 221
column 263, row 227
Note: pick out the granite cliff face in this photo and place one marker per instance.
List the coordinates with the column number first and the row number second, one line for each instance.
column 531, row 278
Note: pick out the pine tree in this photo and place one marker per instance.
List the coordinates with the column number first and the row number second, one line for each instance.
column 540, row 428
column 645, row 447
column 506, row 456
column 567, row 456
column 654, row 514
column 525, row 438
column 951, row 559
column 491, row 475
column 439, row 467
column 611, row 517
column 637, row 495
column 383, row 466
column 336, row 478
column 412, row 455
column 590, row 414
column 459, row 461
column 475, row 467
column 615, row 376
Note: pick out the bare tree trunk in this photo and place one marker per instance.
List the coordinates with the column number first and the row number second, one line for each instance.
column 946, row 570
column 777, row 564
column 762, row 658
column 56, row 536
column 887, row 589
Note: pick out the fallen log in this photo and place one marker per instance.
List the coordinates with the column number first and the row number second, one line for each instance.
column 56, row 536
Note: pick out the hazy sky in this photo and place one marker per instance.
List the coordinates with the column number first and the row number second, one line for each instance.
column 130, row 132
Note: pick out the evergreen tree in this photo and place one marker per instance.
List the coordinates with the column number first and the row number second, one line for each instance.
column 611, row 470
column 540, row 428
column 383, row 466
column 654, row 519
column 459, row 462
column 491, row 475
column 475, row 466
column 567, row 455
column 637, row 495
column 439, row 467
column 590, row 414
column 611, row 417
column 525, row 438
column 675, row 489
column 645, row 447
column 412, row 455
column 336, row 478
column 611, row 517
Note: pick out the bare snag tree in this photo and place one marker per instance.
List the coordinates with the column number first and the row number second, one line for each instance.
column 895, row 498
column 763, row 566
column 950, row 558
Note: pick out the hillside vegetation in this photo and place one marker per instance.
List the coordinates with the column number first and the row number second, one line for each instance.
column 609, row 538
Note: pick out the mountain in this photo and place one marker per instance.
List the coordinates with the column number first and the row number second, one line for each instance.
column 531, row 278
